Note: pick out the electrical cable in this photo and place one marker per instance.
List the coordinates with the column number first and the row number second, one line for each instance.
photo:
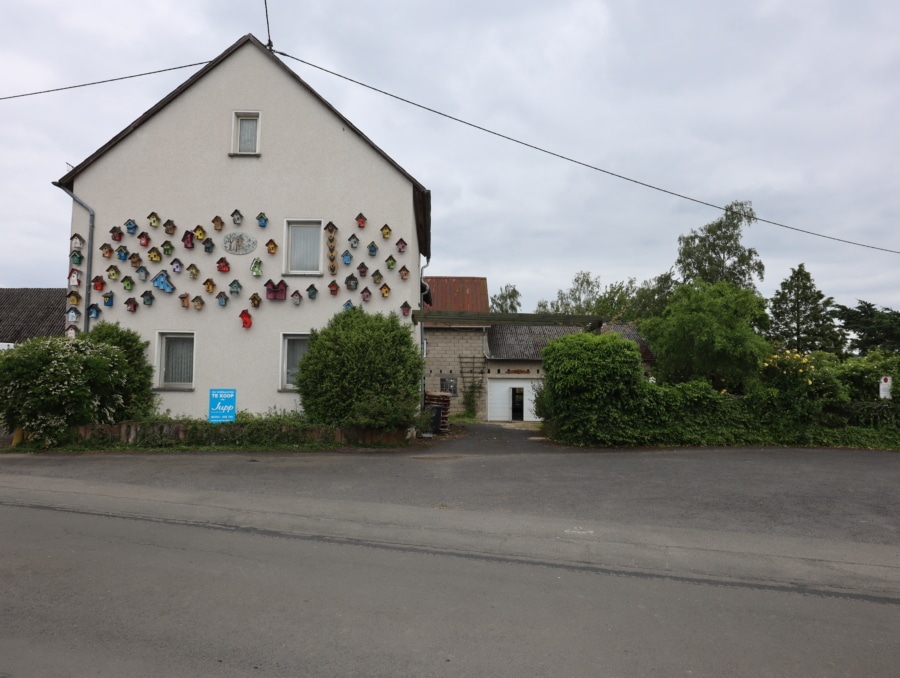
column 268, row 30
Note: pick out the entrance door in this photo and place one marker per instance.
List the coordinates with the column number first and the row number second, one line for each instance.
column 518, row 404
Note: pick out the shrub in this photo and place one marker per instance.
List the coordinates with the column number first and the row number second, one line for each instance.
column 139, row 400
column 361, row 370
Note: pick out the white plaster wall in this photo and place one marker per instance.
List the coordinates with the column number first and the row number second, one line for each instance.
column 310, row 167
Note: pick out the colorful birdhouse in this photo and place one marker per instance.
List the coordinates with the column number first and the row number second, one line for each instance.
column 168, row 248
column 312, row 292
column 142, row 273
column 334, row 288
column 131, row 304
column 246, row 319
column 354, row 241
column 255, row 300
column 169, row 227
column 188, row 240
column 222, row 299
column 385, row 231
column 332, row 267
column 74, row 298
column 296, row 297
column 373, row 248
column 76, row 257
column 154, row 219
column 217, row 223
column 193, row 271
column 222, row 265
column 348, row 305
column 177, row 266
column 185, row 300
column 276, row 291
column 237, row 217
column 208, row 245
column 161, row 282
column 366, row 294
column 234, row 287
column 115, row 233
column 112, row 272
column 256, row 267
column 209, row 285
column 199, row 232
column 98, row 282
column 71, row 331
column 271, row 246
column 143, row 239
column 262, row 220
column 135, row 260
column 385, row 290
column 128, row 283
column 76, row 242
column 346, row 257
column 391, row 262
column 377, row 277
column 73, row 314
column 108, row 298
column 351, row 282
column 131, row 227
column 93, row 311
column 404, row 273
column 405, row 308
column 122, row 252
column 362, row 269
column 154, row 255
column 361, row 220
column 198, row 302
column 106, row 250
column 147, row 298
column 330, row 228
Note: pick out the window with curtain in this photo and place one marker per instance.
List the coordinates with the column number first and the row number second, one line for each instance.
column 304, row 252
column 178, row 360
column 246, row 133
column 295, row 346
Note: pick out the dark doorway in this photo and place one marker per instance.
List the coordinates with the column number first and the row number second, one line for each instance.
column 518, row 404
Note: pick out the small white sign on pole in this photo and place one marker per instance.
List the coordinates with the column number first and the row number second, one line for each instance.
column 884, row 388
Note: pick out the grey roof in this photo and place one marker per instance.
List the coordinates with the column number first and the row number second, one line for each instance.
column 629, row 331
column 523, row 342
column 28, row 312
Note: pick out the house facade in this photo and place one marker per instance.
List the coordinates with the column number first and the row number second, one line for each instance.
column 233, row 217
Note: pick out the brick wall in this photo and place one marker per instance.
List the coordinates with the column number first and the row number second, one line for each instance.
column 455, row 353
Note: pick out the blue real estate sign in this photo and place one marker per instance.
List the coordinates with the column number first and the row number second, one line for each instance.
column 222, row 404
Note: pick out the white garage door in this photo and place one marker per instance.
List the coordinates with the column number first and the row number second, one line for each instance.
column 511, row 398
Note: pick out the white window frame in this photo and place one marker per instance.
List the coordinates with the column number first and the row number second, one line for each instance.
column 236, row 132
column 313, row 225
column 286, row 382
column 164, row 383
column 454, row 390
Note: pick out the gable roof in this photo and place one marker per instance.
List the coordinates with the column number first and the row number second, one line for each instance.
column 523, row 342
column 29, row 312
column 421, row 195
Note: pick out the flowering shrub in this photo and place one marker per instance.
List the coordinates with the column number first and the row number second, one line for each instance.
column 48, row 385
column 806, row 386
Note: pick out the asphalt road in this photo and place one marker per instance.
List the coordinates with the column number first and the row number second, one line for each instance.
column 489, row 554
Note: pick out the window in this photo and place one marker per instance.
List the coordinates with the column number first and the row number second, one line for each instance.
column 304, row 250
column 246, row 134
column 448, row 385
column 294, row 346
column 177, row 360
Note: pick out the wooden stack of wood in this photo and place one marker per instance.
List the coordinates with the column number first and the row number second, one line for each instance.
column 443, row 399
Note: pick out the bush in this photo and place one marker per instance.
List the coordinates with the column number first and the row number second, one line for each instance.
column 140, row 401
column 361, row 370
column 50, row 385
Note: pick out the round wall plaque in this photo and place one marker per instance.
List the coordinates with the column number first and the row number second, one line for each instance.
column 239, row 243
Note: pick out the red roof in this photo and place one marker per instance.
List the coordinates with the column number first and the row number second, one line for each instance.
column 459, row 294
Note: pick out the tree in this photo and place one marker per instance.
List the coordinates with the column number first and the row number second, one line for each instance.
column 715, row 253
column 361, row 370
column 871, row 327
column 709, row 332
column 587, row 296
column 139, row 399
column 802, row 317
column 652, row 296
column 507, row 300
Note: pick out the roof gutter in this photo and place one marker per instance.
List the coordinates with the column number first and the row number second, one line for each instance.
column 90, row 252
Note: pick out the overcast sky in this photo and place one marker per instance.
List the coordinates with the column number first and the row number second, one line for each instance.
column 793, row 105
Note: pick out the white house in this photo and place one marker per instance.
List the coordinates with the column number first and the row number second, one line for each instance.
column 233, row 217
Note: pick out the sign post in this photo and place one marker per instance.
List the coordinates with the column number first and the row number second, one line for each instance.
column 884, row 388
column 222, row 404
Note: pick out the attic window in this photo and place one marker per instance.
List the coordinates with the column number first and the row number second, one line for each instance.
column 246, row 133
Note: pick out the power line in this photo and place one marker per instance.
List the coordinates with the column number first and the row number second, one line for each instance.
column 268, row 30
column 102, row 82
column 579, row 162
